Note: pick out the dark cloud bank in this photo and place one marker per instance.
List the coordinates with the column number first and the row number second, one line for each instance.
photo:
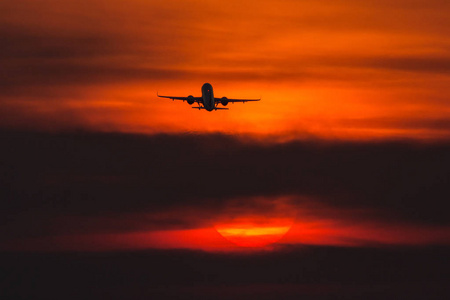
column 89, row 174
column 96, row 178
column 92, row 174
column 307, row 272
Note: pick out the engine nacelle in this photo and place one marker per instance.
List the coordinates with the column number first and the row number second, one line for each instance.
column 224, row 101
column 190, row 100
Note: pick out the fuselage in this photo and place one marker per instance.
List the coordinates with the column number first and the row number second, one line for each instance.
column 208, row 97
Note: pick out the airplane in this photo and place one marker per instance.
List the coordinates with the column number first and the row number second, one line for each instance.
column 207, row 100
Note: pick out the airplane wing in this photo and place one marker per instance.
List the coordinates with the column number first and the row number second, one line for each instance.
column 235, row 100
column 196, row 99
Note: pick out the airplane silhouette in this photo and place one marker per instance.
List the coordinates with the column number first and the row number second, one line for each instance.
column 207, row 100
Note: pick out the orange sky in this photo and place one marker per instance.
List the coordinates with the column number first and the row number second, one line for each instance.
column 335, row 69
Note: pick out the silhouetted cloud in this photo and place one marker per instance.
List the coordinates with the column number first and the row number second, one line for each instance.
column 439, row 124
column 291, row 273
column 163, row 181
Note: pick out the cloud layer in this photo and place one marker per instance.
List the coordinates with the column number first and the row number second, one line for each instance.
column 109, row 183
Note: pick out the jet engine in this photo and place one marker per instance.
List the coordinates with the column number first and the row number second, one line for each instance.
column 190, row 99
column 224, row 101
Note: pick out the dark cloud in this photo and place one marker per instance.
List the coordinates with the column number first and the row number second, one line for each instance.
column 439, row 124
column 30, row 43
column 312, row 272
column 92, row 175
column 35, row 62
column 425, row 63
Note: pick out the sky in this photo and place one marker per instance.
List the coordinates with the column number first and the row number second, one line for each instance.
column 334, row 184
column 328, row 69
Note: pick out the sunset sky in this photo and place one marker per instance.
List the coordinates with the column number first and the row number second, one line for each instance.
column 328, row 69
column 337, row 177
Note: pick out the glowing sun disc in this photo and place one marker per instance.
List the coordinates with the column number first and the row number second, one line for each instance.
column 253, row 235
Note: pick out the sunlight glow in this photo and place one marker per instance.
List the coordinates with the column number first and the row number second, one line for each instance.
column 249, row 235
column 253, row 231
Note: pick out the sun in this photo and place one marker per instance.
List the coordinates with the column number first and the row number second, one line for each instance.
column 250, row 232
